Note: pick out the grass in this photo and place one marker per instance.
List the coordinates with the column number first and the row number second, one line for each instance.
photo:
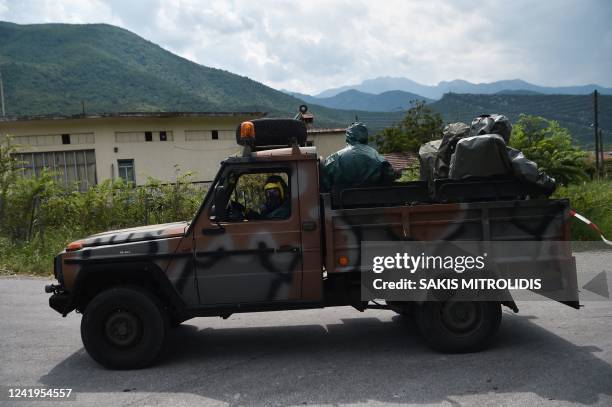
column 31, row 258
column 594, row 201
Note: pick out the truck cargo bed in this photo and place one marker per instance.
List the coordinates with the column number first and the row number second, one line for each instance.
column 518, row 220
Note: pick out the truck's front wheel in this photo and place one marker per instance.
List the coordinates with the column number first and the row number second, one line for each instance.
column 458, row 326
column 123, row 328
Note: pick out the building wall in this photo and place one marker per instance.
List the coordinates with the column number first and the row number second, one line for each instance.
column 327, row 142
column 189, row 145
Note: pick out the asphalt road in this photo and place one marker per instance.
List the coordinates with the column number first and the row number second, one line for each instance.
column 548, row 354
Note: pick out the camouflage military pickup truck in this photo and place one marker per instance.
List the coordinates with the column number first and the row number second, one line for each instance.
column 267, row 238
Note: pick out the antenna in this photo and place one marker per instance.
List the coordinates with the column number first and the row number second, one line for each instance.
column 2, row 95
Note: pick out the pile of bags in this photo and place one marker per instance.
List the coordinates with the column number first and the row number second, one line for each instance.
column 356, row 165
column 479, row 150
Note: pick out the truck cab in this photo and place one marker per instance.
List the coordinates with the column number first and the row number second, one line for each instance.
column 247, row 258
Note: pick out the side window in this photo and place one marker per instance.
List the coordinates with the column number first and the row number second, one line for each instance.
column 259, row 196
column 125, row 168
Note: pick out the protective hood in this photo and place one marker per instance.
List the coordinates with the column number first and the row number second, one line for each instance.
column 357, row 133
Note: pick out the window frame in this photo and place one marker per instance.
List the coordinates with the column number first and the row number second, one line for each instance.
column 239, row 172
column 121, row 161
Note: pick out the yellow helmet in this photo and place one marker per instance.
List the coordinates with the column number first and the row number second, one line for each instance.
column 276, row 185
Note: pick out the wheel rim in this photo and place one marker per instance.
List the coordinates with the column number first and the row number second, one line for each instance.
column 460, row 316
column 122, row 328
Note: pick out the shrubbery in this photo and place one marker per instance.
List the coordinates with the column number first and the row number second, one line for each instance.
column 39, row 216
column 593, row 200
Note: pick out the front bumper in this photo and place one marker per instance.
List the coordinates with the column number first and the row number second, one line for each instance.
column 61, row 302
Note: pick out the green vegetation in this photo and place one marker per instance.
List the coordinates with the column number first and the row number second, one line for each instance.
column 551, row 147
column 39, row 216
column 420, row 125
column 593, row 200
column 574, row 112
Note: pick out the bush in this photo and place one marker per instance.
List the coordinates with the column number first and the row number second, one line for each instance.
column 551, row 147
column 39, row 215
column 592, row 200
column 420, row 125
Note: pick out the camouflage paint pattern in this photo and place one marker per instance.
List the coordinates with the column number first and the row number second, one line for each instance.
column 213, row 263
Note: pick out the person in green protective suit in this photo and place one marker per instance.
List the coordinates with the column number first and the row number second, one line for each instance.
column 357, row 164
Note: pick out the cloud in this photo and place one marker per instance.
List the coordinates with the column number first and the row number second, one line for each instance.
column 314, row 45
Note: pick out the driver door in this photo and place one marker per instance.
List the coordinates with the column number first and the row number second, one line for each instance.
column 245, row 257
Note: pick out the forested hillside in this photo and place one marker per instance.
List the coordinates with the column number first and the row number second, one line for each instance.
column 52, row 68
column 572, row 111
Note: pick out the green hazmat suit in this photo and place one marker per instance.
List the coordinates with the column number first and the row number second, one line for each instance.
column 356, row 165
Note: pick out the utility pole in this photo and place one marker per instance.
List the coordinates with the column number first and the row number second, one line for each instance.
column 2, row 95
column 601, row 152
column 596, row 126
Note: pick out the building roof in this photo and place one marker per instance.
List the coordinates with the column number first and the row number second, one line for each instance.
column 401, row 161
column 130, row 115
column 326, row 131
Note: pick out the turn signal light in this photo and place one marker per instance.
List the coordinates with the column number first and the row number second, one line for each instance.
column 247, row 130
column 78, row 245
column 343, row 261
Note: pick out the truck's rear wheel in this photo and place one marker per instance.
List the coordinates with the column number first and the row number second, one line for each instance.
column 458, row 326
column 123, row 328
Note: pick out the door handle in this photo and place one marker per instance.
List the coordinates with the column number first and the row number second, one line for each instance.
column 286, row 249
column 213, row 231
column 309, row 226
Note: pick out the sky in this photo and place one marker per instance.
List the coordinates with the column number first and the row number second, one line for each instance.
column 310, row 46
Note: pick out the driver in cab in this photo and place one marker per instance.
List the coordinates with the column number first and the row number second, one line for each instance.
column 276, row 204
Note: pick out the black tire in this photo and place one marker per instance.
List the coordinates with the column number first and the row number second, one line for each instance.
column 124, row 328
column 458, row 326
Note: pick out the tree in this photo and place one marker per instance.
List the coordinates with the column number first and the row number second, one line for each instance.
column 8, row 170
column 421, row 124
column 551, row 147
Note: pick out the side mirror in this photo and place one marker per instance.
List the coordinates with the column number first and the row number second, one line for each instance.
column 218, row 209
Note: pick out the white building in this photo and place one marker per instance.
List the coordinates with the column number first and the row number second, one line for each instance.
column 134, row 146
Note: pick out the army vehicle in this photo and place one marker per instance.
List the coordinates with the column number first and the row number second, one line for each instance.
column 236, row 256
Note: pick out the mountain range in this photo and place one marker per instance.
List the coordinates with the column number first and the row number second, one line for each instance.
column 389, row 101
column 386, row 83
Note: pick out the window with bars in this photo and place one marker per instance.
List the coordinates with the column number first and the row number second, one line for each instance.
column 76, row 166
column 125, row 168
column 55, row 139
